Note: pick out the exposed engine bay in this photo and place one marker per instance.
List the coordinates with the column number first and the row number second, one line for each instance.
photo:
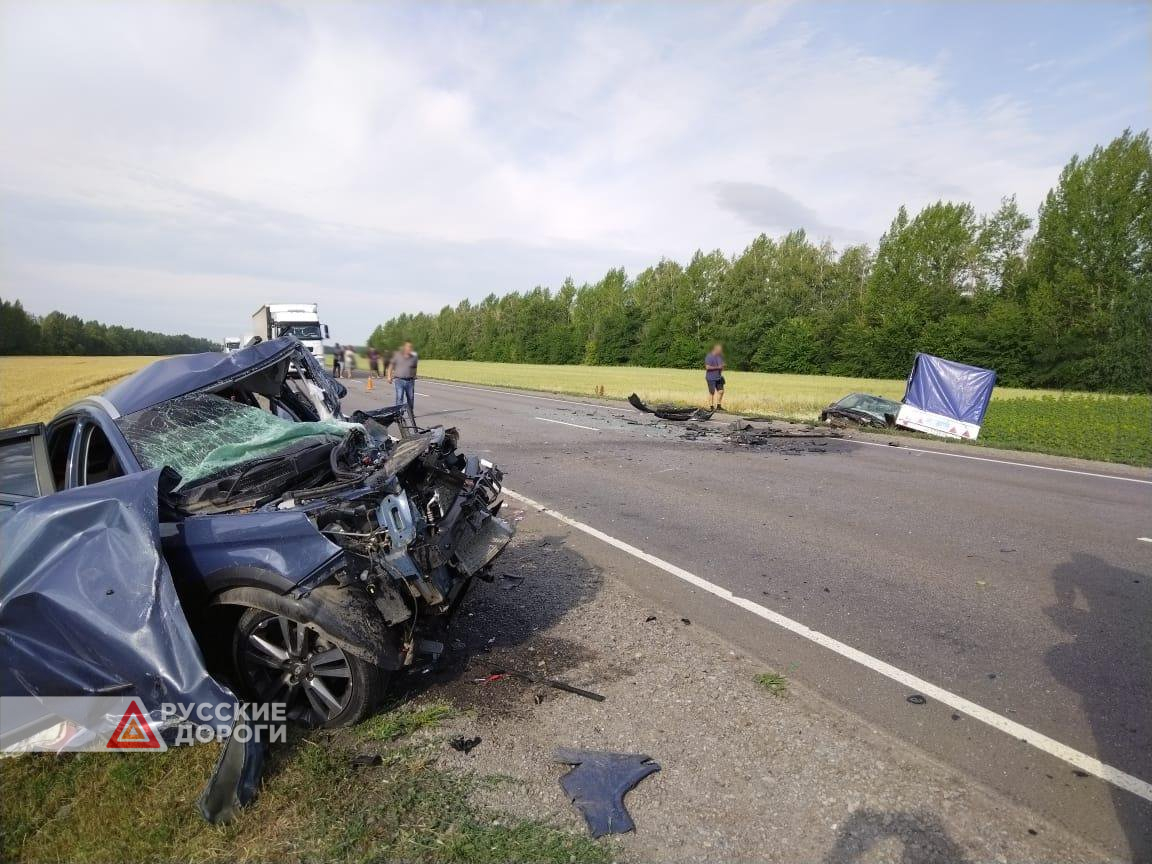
column 413, row 517
column 416, row 519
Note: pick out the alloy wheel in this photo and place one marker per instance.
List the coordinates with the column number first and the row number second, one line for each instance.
column 287, row 662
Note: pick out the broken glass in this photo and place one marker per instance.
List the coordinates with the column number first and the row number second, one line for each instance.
column 202, row 434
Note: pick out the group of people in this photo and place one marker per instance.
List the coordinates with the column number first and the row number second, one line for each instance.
column 400, row 370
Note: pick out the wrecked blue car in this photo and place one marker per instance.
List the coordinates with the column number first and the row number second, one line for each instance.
column 312, row 554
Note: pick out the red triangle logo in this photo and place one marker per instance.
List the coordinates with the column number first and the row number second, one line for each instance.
column 133, row 732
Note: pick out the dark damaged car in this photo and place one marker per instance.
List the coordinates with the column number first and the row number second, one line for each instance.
column 861, row 409
column 313, row 555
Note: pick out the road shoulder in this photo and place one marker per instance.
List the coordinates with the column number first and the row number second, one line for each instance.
column 745, row 774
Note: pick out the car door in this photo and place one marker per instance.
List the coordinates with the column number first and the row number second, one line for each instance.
column 24, row 469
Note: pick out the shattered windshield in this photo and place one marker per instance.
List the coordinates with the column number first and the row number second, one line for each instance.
column 300, row 331
column 201, row 434
column 870, row 404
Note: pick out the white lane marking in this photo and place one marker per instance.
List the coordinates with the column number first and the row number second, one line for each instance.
column 1050, row 746
column 1145, row 539
column 563, row 423
column 526, row 396
column 997, row 461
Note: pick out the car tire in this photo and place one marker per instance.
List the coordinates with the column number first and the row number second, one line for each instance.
column 278, row 659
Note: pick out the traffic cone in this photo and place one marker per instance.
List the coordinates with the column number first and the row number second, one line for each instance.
column 369, row 388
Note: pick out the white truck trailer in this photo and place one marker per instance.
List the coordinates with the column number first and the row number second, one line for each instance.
column 301, row 320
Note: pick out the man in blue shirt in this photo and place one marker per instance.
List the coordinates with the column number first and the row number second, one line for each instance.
column 714, row 375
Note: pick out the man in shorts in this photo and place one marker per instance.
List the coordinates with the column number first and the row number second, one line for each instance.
column 714, row 376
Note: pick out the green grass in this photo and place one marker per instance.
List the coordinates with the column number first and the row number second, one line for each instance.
column 1114, row 428
column 312, row 806
column 775, row 684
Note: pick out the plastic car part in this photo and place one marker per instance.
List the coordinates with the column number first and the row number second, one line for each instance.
column 670, row 412
column 597, row 785
column 236, row 778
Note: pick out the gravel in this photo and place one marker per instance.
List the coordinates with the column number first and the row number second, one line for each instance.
column 746, row 775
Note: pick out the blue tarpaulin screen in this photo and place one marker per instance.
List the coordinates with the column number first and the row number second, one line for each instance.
column 952, row 389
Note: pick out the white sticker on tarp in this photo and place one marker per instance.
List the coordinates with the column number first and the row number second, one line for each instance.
column 920, row 420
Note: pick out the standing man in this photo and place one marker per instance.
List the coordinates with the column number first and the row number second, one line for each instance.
column 374, row 362
column 337, row 359
column 714, row 375
column 402, row 374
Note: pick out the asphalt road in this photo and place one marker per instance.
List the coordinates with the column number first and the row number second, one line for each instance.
column 1026, row 591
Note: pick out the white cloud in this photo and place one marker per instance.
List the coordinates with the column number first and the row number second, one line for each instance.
column 230, row 140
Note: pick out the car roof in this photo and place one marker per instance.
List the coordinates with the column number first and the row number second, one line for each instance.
column 176, row 376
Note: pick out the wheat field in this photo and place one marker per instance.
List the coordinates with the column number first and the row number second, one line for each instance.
column 34, row 388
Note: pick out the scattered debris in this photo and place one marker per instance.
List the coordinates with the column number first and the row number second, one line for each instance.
column 917, row 699
column 597, row 785
column 366, row 760
column 464, row 745
column 649, row 619
column 498, row 674
column 676, row 413
column 685, row 621
column 755, row 437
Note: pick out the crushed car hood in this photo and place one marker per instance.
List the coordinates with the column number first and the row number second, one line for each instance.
column 177, row 376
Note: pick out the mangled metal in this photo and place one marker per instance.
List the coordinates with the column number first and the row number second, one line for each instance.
column 861, row 409
column 87, row 603
column 677, row 413
column 88, row 609
column 298, row 556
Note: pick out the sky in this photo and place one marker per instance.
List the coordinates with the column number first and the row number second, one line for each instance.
column 174, row 165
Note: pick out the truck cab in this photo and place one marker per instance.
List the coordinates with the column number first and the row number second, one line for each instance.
column 300, row 320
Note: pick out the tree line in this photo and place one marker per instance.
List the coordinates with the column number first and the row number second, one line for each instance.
column 1063, row 302
column 57, row 333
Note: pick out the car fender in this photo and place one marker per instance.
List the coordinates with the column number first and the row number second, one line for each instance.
column 343, row 614
column 278, row 551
